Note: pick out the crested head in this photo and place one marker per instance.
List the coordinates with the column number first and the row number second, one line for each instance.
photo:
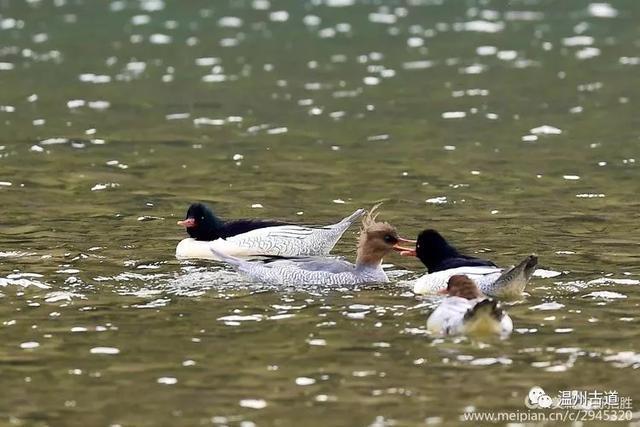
column 369, row 219
column 201, row 223
column 462, row 286
column 377, row 239
column 432, row 248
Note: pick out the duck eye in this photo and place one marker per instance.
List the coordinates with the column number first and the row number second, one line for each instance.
column 390, row 239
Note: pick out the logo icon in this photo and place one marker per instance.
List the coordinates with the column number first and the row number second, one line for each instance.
column 537, row 398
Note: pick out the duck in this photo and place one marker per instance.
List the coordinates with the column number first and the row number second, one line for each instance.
column 466, row 311
column 376, row 241
column 443, row 261
column 255, row 237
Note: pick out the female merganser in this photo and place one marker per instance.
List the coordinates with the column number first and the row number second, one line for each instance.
column 443, row 261
column 466, row 311
column 253, row 237
column 375, row 242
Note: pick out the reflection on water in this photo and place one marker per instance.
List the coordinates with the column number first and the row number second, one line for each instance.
column 510, row 129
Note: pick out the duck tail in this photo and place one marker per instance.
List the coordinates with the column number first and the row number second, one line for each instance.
column 512, row 281
column 484, row 318
column 346, row 222
column 488, row 307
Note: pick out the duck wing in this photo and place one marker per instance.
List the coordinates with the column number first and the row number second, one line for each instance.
column 289, row 240
column 462, row 261
column 233, row 228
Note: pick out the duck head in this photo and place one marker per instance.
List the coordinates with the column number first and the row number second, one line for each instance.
column 461, row 286
column 431, row 249
column 201, row 223
column 377, row 239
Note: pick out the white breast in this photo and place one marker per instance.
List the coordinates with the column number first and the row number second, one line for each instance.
column 191, row 248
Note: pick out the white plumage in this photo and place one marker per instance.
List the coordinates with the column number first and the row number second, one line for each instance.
column 434, row 282
column 460, row 316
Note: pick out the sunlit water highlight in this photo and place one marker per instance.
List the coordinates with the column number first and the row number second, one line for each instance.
column 511, row 130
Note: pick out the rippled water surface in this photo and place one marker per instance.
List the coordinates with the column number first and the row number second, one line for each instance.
column 511, row 127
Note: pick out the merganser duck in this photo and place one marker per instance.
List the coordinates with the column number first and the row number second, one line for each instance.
column 466, row 311
column 443, row 261
column 376, row 241
column 253, row 237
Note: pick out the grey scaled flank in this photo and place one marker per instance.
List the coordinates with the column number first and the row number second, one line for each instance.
column 307, row 272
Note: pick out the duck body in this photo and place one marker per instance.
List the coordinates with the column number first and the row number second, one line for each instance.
column 494, row 281
column 248, row 238
column 444, row 261
column 460, row 261
column 461, row 316
column 376, row 241
column 306, row 271
column 466, row 311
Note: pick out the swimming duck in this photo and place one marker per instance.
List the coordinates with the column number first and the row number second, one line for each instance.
column 466, row 311
column 377, row 239
column 443, row 261
column 254, row 237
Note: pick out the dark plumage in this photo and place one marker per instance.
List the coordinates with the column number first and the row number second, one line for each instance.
column 202, row 224
column 438, row 255
column 488, row 305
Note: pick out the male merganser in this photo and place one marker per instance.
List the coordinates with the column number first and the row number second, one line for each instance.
column 466, row 311
column 253, row 237
column 443, row 261
column 376, row 241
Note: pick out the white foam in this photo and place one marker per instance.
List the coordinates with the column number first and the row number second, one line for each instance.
column 167, row 380
column 602, row 10
column 545, row 274
column 578, row 41
column 547, row 306
column 437, row 200
column 29, row 345
column 454, row 115
column 481, row 26
column 605, row 295
column 253, row 403
column 104, row 350
column 230, row 22
column 160, row 39
column 545, row 130
column 279, row 16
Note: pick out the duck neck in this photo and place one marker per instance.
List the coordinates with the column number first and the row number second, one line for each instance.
column 366, row 260
column 208, row 229
column 433, row 260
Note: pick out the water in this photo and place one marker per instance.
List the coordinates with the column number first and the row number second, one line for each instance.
column 511, row 130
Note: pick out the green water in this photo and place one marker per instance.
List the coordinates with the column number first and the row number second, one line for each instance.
column 114, row 117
